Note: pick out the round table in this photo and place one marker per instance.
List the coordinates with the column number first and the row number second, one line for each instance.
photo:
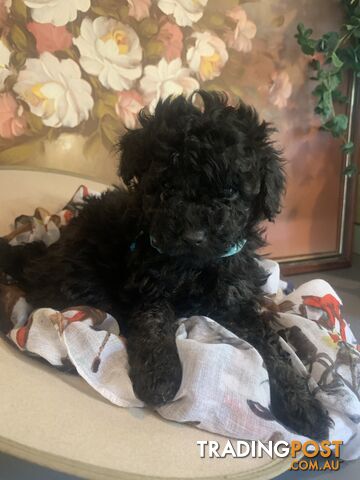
column 57, row 420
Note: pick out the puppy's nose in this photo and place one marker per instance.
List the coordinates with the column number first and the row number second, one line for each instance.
column 194, row 237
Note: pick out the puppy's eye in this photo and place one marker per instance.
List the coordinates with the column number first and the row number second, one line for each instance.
column 229, row 193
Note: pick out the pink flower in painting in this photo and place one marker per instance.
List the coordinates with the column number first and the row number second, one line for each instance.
column 280, row 89
column 12, row 121
column 139, row 9
column 50, row 38
column 245, row 31
column 172, row 38
column 128, row 105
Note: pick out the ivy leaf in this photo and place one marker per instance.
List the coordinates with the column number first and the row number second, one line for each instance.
column 348, row 147
column 337, row 125
column 336, row 60
column 306, row 43
column 327, row 42
column 325, row 104
column 339, row 97
column 330, row 80
column 350, row 170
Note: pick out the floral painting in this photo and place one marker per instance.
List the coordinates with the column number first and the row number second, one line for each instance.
column 75, row 73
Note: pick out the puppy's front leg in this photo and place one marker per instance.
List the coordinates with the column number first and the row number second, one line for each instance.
column 292, row 402
column 154, row 364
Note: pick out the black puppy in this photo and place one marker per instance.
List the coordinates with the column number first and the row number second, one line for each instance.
column 180, row 242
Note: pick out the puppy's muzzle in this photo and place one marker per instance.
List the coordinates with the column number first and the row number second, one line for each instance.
column 194, row 238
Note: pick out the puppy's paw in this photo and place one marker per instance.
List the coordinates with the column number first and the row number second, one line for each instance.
column 156, row 380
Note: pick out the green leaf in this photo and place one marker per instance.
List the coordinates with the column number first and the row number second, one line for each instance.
column 18, row 59
column 110, row 130
column 21, row 39
column 19, row 10
column 337, row 125
column 154, row 49
column 328, row 42
column 101, row 109
column 319, row 90
column 306, row 43
column 107, row 8
column 350, row 170
column 18, row 38
column 108, row 98
column 330, row 80
column 148, row 27
column 10, row 82
column 34, row 122
column 348, row 147
column 339, row 97
column 325, row 104
column 336, row 61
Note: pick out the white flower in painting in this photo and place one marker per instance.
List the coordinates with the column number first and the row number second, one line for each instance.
column 245, row 31
column 4, row 64
column 208, row 56
column 55, row 91
column 186, row 12
column 111, row 51
column 57, row 12
column 164, row 79
column 280, row 89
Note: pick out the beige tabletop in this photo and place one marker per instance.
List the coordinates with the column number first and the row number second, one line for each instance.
column 57, row 420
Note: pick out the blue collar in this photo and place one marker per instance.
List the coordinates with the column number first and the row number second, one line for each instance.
column 232, row 251
column 235, row 248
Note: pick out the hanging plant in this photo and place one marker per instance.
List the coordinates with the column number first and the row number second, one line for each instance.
column 333, row 54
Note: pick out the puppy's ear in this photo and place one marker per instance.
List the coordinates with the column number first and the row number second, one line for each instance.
column 134, row 160
column 272, row 183
column 269, row 164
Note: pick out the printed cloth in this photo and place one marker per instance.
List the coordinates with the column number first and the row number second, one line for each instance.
column 225, row 385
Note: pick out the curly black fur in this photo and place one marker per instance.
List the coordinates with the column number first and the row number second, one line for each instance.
column 200, row 180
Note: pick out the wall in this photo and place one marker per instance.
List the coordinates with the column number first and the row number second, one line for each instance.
column 73, row 73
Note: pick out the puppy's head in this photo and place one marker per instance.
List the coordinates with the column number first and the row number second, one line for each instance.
column 206, row 176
